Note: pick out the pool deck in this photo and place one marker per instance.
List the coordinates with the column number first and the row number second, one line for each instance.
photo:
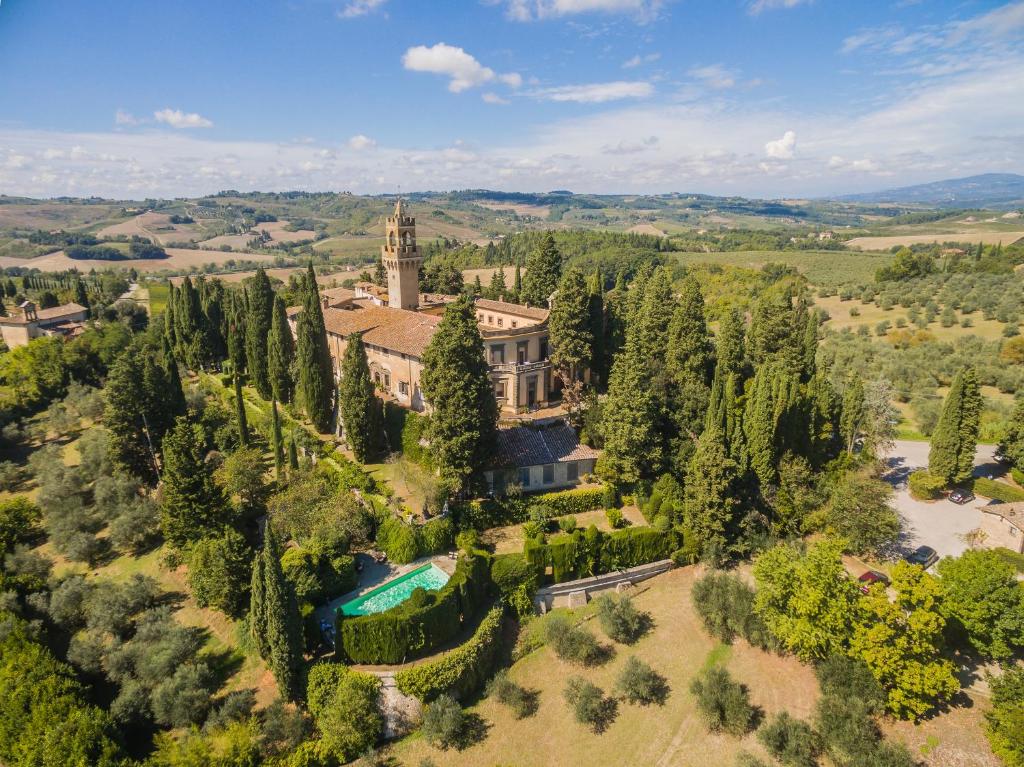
column 376, row 573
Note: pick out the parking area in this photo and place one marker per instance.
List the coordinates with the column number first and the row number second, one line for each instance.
column 941, row 524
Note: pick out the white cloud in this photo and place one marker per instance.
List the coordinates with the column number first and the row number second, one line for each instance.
column 637, row 60
column 714, row 76
column 178, row 119
column 783, row 148
column 125, row 118
column 596, row 93
column 766, row 5
column 463, row 70
column 355, row 8
column 493, row 98
column 359, row 142
column 533, row 10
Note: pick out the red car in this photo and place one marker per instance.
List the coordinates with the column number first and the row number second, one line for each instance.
column 870, row 577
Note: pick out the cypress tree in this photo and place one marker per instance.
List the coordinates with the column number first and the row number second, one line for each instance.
column 257, row 619
column 81, row 295
column 955, row 438
column 282, row 624
column 654, row 317
column 497, row 288
column 852, row 414
column 772, row 330
column 189, row 320
column 810, row 344
column 595, row 306
column 236, row 336
column 825, row 410
column 293, row 454
column 543, row 272
column 170, row 329
column 634, row 296
column 456, row 382
column 759, row 421
column 710, row 497
column 213, row 311
column 360, row 409
column 280, row 353
column 569, row 326
column 689, row 360
column 126, row 420
column 313, row 360
column 278, row 442
column 193, row 504
column 261, row 305
column 478, row 289
column 175, row 394
column 240, row 417
column 517, row 285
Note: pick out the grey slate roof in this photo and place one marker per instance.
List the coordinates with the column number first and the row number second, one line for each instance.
column 520, row 446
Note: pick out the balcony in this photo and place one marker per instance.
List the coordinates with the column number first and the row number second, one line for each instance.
column 519, row 367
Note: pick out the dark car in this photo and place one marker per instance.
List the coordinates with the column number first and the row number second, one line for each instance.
column 871, row 577
column 961, row 496
column 995, row 502
column 925, row 556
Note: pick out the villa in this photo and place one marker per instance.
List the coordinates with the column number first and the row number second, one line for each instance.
column 31, row 322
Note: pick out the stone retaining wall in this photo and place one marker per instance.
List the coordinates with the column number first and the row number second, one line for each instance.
column 577, row 593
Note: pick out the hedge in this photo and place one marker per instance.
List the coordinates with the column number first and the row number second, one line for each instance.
column 404, row 543
column 999, row 490
column 460, row 672
column 925, row 486
column 583, row 554
column 404, row 430
column 575, row 501
column 422, row 623
column 1011, row 557
column 513, row 510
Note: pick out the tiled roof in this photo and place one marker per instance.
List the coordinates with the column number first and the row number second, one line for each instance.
column 337, row 295
column 53, row 313
column 531, row 312
column 397, row 330
column 1011, row 512
column 522, row 446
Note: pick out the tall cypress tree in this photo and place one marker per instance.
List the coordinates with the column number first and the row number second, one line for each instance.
column 257, row 619
column 189, row 321
column 595, row 307
column 456, row 382
column 360, row 409
column 955, row 438
column 261, row 305
column 126, row 419
column 543, row 272
column 175, row 394
column 759, row 422
column 193, row 504
column 170, row 329
column 240, row 417
column 213, row 311
column 569, row 326
column 654, row 317
column 281, row 622
column 313, row 360
column 278, row 442
column 517, row 285
column 710, row 495
column 237, row 334
column 689, row 361
column 280, row 353
column 852, row 415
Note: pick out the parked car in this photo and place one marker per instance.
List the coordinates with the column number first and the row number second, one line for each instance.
column 961, row 496
column 995, row 502
column 925, row 556
column 871, row 577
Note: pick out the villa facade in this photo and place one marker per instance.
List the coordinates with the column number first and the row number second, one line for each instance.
column 398, row 322
column 29, row 322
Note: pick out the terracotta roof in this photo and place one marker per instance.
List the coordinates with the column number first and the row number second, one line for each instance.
column 337, row 295
column 53, row 313
column 397, row 330
column 522, row 446
column 1011, row 512
column 531, row 312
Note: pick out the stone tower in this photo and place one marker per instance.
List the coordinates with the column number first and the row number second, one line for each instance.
column 401, row 258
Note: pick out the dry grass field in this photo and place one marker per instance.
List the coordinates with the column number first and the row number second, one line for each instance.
column 52, row 215
column 155, row 227
column 672, row 735
column 962, row 235
column 278, row 233
column 233, row 241
column 647, row 229
column 178, row 258
column 519, row 208
column 469, row 275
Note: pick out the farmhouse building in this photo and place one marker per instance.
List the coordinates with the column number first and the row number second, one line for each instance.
column 1003, row 526
column 545, row 458
column 398, row 322
column 30, row 322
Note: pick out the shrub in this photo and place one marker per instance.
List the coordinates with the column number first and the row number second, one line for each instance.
column 610, row 497
column 1002, row 491
column 726, row 605
column 459, row 672
column 398, row 540
column 589, row 705
column 615, row 518
column 575, row 501
column 848, row 733
column 444, row 723
column 639, row 683
column 572, row 643
column 344, row 705
column 521, row 701
column 219, row 572
column 19, row 520
column 844, row 677
column 1005, row 722
column 925, row 486
column 790, row 741
column 437, row 535
column 723, row 702
column 467, row 540
column 567, row 524
column 620, row 619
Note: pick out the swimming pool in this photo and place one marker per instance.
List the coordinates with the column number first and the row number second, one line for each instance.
column 429, row 577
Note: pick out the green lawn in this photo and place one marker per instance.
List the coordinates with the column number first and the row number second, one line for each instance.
column 158, row 293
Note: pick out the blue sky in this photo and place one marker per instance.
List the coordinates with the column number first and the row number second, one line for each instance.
column 754, row 97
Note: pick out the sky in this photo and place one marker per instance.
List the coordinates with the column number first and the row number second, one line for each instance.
column 760, row 98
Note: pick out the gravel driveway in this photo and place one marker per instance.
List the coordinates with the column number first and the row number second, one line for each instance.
column 940, row 524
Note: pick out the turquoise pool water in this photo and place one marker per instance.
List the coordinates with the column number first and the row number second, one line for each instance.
column 384, row 597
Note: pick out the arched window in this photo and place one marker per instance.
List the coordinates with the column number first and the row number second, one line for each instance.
column 391, row 239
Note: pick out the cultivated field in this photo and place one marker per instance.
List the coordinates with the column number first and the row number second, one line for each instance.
column 519, row 208
column 870, row 315
column 283, row 273
column 646, row 229
column 821, row 267
column 178, row 258
column 672, row 735
column 278, row 233
column 233, row 241
column 964, row 235
column 155, row 227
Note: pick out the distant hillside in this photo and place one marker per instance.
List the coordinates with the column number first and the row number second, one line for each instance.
column 989, row 190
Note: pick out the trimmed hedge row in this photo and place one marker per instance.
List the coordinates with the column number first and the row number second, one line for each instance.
column 575, row 501
column 583, row 554
column 990, row 488
column 423, row 622
column 513, row 510
column 460, row 672
column 404, row 543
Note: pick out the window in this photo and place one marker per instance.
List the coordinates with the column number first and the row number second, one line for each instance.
column 572, row 471
column 524, row 476
column 501, row 322
column 543, row 348
column 499, row 390
column 387, row 381
column 490, row 319
column 549, row 473
column 521, row 350
column 497, row 354
column 403, row 388
column 515, row 324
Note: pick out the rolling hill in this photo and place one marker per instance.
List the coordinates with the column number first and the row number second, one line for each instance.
column 988, row 190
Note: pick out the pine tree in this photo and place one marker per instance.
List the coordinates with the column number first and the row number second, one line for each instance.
column 543, row 271
column 497, row 288
column 360, row 409
column 633, row 448
column 569, row 326
column 280, row 354
column 313, row 360
column 261, row 307
column 276, row 617
column 710, row 497
column 595, row 306
column 193, row 505
column 852, row 414
column 240, row 417
column 456, row 382
column 955, row 438
column 278, row 442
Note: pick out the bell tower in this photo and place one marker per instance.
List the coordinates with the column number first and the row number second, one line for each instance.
column 401, row 258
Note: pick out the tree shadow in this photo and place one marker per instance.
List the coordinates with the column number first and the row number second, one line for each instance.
column 223, row 663
column 606, row 713
column 474, row 730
